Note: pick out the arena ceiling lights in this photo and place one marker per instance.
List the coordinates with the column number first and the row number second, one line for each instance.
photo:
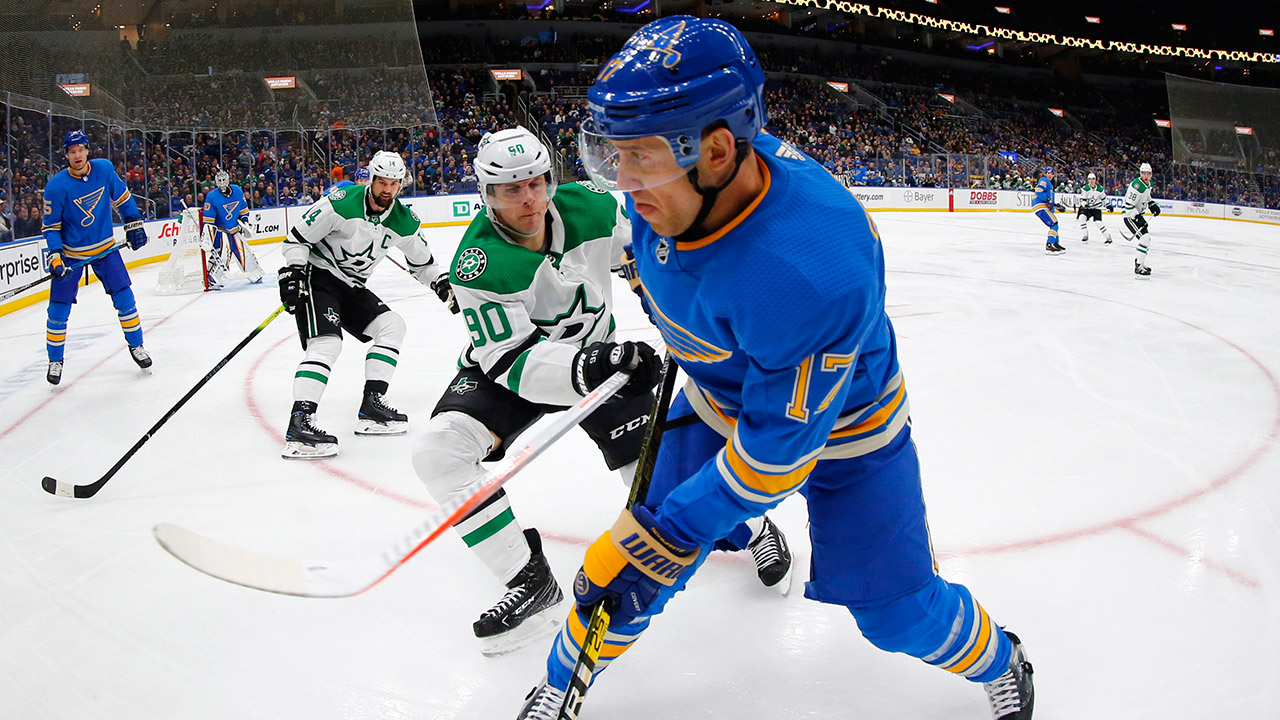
column 928, row 21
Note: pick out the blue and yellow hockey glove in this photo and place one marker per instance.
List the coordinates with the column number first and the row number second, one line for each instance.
column 135, row 235
column 631, row 564
column 57, row 267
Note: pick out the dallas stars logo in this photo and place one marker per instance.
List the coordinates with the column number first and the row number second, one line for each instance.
column 332, row 316
column 464, row 386
column 575, row 323
column 356, row 263
column 471, row 263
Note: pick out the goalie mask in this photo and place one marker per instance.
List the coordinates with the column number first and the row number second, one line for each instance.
column 222, row 180
column 513, row 169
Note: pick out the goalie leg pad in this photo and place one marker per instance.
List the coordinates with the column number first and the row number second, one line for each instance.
column 313, row 372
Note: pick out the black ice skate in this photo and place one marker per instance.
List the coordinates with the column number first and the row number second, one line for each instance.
column 1053, row 248
column 773, row 558
column 140, row 356
column 1012, row 695
column 527, row 612
column 378, row 418
column 54, row 374
column 1141, row 270
column 303, row 440
column 542, row 703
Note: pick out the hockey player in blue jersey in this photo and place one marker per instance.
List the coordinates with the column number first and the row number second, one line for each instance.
column 226, row 221
column 362, row 178
column 766, row 279
column 77, row 225
column 1044, row 207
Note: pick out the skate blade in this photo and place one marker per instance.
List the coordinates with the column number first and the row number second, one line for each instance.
column 302, row 451
column 535, row 628
column 372, row 427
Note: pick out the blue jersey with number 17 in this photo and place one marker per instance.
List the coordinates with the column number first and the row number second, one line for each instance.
column 778, row 319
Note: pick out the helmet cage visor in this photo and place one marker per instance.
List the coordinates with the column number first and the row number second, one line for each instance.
column 511, row 195
column 637, row 162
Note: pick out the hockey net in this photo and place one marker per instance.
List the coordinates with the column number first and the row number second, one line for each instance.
column 184, row 272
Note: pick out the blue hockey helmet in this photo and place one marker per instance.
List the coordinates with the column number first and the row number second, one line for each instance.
column 362, row 174
column 1047, row 170
column 673, row 78
column 73, row 138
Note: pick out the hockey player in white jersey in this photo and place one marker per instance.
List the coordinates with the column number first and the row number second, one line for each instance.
column 533, row 278
column 1092, row 200
column 1137, row 201
column 329, row 257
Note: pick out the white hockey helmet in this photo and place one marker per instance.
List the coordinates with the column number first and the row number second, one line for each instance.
column 222, row 180
column 387, row 164
column 509, row 156
column 1144, row 167
column 1092, row 176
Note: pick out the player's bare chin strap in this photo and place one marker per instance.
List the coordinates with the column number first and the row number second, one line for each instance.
column 742, row 148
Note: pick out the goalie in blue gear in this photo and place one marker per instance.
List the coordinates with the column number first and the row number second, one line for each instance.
column 794, row 382
column 226, row 222
column 77, row 226
column 1044, row 208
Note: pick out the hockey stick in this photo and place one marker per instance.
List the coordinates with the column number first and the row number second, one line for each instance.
column 10, row 293
column 56, row 487
column 306, row 578
column 598, row 625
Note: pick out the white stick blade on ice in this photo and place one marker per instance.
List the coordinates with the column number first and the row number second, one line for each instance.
column 292, row 576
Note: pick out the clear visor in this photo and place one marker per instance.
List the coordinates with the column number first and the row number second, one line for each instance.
column 628, row 164
column 511, row 196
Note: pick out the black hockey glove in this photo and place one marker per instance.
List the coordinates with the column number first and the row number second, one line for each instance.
column 134, row 234
column 444, row 290
column 598, row 362
column 1154, row 208
column 293, row 287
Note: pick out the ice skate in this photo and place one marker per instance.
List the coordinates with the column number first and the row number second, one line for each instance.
column 542, row 703
column 1054, row 249
column 378, row 418
column 528, row 612
column 54, row 374
column 773, row 558
column 1012, row 695
column 305, row 441
column 1141, row 270
column 140, row 356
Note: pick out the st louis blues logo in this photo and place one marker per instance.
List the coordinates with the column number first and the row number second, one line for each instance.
column 88, row 204
column 464, row 386
column 230, row 209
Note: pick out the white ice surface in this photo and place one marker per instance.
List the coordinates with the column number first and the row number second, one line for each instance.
column 1099, row 455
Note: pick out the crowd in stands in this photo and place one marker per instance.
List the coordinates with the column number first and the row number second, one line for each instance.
column 899, row 129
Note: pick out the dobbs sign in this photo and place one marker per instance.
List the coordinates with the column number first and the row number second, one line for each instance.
column 982, row 197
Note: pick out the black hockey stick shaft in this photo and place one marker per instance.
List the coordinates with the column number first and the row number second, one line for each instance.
column 10, row 293
column 54, row 487
column 598, row 625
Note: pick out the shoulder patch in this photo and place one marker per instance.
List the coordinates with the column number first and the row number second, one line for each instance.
column 338, row 194
column 471, row 264
column 787, row 150
column 592, row 187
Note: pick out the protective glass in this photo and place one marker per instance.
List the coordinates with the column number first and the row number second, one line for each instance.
column 630, row 164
